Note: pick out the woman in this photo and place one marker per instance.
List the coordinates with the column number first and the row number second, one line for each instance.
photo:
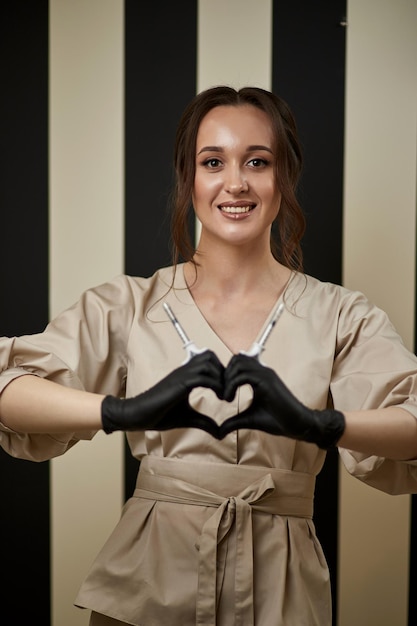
column 220, row 529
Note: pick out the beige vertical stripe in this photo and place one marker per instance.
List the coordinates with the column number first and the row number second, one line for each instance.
column 86, row 248
column 379, row 259
column 234, row 45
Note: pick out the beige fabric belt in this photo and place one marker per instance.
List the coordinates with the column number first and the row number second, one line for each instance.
column 234, row 491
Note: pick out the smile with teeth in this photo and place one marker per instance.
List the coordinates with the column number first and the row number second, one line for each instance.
column 236, row 209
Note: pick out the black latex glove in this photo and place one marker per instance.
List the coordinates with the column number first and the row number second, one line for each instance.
column 274, row 409
column 165, row 405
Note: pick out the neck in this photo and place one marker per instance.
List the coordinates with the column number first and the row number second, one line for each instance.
column 234, row 270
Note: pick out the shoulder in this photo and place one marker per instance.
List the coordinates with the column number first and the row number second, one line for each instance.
column 306, row 292
column 123, row 287
column 331, row 305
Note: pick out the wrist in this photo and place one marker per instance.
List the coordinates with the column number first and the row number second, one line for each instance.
column 111, row 409
column 328, row 428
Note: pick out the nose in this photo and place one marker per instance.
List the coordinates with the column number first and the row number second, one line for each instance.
column 235, row 180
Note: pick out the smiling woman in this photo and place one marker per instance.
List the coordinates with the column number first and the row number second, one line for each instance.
column 230, row 446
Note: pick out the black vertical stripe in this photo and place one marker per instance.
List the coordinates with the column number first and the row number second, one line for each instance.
column 309, row 73
column 412, row 586
column 412, row 596
column 24, row 486
column 160, row 79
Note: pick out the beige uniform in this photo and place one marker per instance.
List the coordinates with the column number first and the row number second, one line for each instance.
column 218, row 532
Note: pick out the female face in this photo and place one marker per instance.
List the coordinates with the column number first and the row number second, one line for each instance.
column 235, row 192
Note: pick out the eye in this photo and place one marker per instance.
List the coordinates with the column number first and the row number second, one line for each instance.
column 212, row 163
column 257, row 163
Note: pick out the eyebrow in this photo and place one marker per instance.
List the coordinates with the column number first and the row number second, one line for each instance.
column 253, row 148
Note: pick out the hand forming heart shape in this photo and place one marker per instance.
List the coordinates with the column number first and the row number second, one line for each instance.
column 274, row 409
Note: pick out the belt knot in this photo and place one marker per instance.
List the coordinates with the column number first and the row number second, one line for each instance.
column 233, row 510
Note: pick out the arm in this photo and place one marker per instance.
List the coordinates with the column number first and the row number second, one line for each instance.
column 374, row 383
column 387, row 432
column 82, row 349
column 33, row 404
column 390, row 432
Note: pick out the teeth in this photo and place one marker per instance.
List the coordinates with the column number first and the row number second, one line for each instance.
column 236, row 209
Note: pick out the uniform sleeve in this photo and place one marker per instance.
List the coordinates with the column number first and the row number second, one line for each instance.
column 373, row 369
column 85, row 348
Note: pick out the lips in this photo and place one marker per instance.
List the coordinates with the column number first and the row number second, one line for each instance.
column 236, row 208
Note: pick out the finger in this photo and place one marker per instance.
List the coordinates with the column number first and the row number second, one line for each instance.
column 203, row 422
column 208, row 374
column 236, row 422
column 243, row 362
column 208, row 356
column 208, row 380
column 233, row 380
column 206, row 361
column 253, row 418
column 184, row 416
column 241, row 370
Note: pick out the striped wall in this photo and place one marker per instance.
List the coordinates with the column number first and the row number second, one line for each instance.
column 91, row 93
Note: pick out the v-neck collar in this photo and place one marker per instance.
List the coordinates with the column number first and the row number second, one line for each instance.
column 196, row 319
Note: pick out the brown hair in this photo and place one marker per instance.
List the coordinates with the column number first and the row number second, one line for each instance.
column 290, row 223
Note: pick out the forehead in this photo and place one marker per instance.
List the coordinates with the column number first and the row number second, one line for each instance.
column 241, row 123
